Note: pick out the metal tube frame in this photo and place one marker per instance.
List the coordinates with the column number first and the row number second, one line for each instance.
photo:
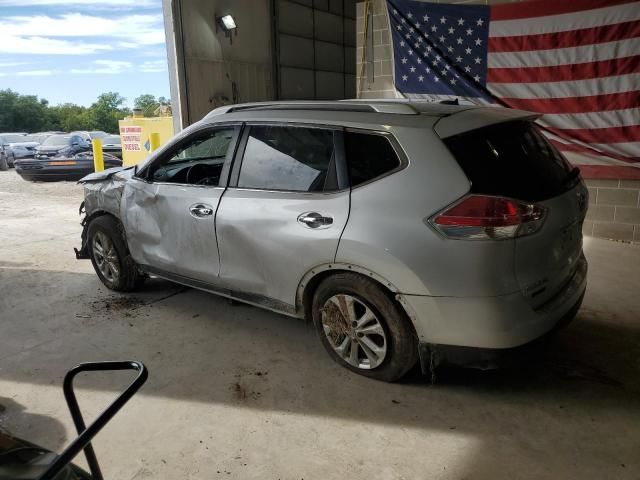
column 86, row 434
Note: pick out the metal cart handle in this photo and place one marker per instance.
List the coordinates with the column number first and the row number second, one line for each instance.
column 85, row 434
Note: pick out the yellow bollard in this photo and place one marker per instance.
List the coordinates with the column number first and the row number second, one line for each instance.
column 98, row 157
column 154, row 141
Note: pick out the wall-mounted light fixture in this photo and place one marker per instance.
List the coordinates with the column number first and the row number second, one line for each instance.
column 227, row 24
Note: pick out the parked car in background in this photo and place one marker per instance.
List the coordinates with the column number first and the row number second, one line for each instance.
column 25, row 148
column 98, row 134
column 111, row 144
column 67, row 144
column 64, row 166
column 402, row 230
column 5, row 140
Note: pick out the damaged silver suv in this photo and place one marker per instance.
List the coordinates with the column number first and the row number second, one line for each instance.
column 403, row 230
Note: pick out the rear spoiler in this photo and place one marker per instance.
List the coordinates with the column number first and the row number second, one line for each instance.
column 474, row 118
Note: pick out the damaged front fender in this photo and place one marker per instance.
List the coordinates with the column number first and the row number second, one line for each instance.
column 102, row 196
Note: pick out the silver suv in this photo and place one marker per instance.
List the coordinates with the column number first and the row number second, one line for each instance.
column 403, row 230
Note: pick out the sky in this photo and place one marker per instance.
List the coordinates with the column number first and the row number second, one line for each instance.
column 74, row 50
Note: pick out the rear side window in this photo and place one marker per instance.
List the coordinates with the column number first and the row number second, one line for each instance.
column 369, row 156
column 512, row 160
column 295, row 159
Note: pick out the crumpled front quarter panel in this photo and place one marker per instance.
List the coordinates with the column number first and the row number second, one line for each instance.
column 141, row 223
column 103, row 191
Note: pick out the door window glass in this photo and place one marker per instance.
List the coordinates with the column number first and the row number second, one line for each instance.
column 369, row 156
column 289, row 158
column 198, row 162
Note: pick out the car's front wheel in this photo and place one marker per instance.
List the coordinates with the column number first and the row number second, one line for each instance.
column 110, row 256
column 362, row 328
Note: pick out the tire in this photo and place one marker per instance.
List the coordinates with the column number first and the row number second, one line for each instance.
column 387, row 346
column 110, row 256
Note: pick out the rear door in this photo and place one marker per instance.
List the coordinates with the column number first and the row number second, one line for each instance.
column 284, row 211
column 514, row 159
column 169, row 209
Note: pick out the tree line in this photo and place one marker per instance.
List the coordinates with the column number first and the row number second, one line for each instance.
column 28, row 113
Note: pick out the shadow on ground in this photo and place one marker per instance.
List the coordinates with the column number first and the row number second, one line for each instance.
column 200, row 348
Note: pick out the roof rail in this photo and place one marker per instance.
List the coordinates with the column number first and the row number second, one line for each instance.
column 338, row 105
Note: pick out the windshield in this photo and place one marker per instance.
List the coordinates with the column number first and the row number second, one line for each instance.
column 13, row 138
column 111, row 140
column 56, row 140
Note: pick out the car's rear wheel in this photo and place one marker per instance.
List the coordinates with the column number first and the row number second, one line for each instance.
column 362, row 328
column 110, row 257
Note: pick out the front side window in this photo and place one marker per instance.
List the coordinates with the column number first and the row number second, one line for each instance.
column 198, row 162
column 368, row 156
column 295, row 159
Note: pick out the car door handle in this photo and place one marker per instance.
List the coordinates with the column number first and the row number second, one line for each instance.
column 315, row 220
column 200, row 210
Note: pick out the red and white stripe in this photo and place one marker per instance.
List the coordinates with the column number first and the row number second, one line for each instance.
column 577, row 62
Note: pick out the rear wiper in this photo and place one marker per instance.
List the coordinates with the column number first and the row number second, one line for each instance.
column 573, row 174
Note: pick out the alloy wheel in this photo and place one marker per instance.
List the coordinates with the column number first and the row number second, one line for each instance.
column 106, row 256
column 354, row 331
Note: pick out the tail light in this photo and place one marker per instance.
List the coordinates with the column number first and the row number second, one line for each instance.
column 482, row 217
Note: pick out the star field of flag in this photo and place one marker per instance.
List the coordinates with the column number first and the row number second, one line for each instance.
column 439, row 49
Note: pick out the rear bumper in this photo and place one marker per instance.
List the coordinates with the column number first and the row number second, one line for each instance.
column 493, row 322
column 432, row 355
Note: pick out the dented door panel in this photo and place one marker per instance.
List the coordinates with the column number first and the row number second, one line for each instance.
column 265, row 246
column 163, row 232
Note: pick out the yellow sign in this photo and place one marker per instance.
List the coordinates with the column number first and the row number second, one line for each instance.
column 136, row 137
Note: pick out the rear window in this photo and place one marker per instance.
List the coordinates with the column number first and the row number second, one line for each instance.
column 369, row 156
column 513, row 160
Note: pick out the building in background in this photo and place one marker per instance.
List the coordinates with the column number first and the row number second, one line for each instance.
column 279, row 49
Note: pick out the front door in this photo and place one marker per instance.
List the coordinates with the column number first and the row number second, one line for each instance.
column 284, row 211
column 169, row 209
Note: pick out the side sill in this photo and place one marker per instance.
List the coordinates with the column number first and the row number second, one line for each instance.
column 256, row 300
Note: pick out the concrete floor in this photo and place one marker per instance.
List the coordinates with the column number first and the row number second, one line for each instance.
column 236, row 392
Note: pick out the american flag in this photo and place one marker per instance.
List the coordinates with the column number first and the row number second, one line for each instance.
column 577, row 62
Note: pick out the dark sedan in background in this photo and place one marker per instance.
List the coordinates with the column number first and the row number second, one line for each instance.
column 72, row 166
column 66, row 144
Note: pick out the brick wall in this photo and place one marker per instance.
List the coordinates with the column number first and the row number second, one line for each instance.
column 377, row 75
column 614, row 209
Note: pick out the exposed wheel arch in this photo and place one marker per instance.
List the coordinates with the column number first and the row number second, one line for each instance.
column 316, row 275
column 110, row 255
column 83, row 253
column 393, row 324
